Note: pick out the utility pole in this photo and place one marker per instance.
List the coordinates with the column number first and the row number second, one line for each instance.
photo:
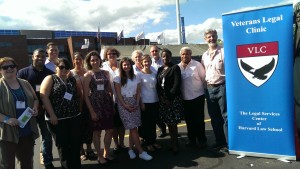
column 178, row 22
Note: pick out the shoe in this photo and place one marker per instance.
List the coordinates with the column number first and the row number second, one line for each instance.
column 150, row 148
column 224, row 149
column 202, row 145
column 162, row 135
column 145, row 156
column 91, row 155
column 41, row 159
column 131, row 154
column 157, row 146
column 219, row 146
column 49, row 166
column 190, row 143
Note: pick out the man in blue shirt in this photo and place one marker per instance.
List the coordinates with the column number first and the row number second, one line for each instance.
column 35, row 74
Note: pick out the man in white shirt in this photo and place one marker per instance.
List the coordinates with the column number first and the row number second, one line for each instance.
column 213, row 61
column 156, row 59
column 52, row 51
column 192, row 89
column 157, row 63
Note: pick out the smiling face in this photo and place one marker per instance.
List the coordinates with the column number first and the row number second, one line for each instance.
column 62, row 70
column 38, row 59
column 78, row 61
column 126, row 66
column 166, row 57
column 111, row 56
column 95, row 62
column 8, row 69
column 186, row 56
column 146, row 62
column 211, row 39
column 52, row 52
column 154, row 51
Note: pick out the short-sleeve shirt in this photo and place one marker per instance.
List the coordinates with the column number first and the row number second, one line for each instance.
column 129, row 89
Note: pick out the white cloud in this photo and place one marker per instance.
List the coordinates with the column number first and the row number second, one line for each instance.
column 113, row 16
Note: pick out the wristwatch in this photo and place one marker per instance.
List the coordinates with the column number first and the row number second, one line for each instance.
column 6, row 119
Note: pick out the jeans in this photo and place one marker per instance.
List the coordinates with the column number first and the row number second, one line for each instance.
column 46, row 148
column 217, row 110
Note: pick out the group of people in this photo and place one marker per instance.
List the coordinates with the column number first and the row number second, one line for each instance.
column 74, row 106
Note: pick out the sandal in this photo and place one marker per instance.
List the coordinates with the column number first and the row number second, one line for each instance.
column 150, row 148
column 83, row 157
column 157, row 146
column 91, row 155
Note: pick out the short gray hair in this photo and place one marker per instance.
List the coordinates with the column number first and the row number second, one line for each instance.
column 185, row 49
column 210, row 31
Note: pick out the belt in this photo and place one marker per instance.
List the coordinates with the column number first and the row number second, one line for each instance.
column 215, row 85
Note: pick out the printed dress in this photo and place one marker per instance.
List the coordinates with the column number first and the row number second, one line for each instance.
column 101, row 101
column 130, row 120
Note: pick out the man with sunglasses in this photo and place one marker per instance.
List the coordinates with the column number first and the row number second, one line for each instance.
column 35, row 74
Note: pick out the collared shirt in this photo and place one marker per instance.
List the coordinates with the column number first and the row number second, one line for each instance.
column 157, row 63
column 193, row 79
column 213, row 62
column 50, row 65
column 34, row 77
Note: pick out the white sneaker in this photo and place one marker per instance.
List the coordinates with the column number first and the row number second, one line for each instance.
column 131, row 154
column 145, row 156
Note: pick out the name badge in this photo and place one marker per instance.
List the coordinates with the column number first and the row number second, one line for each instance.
column 68, row 96
column 100, row 87
column 37, row 88
column 20, row 105
column 163, row 82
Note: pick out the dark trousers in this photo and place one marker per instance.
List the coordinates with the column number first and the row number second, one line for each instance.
column 68, row 142
column 23, row 151
column 217, row 109
column 194, row 118
column 149, row 117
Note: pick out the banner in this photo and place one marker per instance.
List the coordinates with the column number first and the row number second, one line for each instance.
column 183, row 30
column 258, row 46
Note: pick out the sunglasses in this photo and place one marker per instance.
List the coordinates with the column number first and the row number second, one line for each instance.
column 8, row 66
column 63, row 67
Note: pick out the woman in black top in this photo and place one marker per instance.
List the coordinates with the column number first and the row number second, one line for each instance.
column 62, row 95
column 169, row 93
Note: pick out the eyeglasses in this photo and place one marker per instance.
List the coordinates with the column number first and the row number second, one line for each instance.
column 63, row 67
column 8, row 66
column 111, row 54
column 154, row 51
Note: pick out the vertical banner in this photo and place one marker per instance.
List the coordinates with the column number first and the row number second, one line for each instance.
column 258, row 46
column 183, row 30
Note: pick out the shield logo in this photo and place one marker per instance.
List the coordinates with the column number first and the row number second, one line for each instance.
column 257, row 62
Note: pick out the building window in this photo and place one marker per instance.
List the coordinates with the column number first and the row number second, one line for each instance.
column 6, row 44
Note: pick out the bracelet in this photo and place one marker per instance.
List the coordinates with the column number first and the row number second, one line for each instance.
column 6, row 118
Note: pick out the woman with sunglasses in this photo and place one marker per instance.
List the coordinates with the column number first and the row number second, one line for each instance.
column 61, row 95
column 16, row 96
column 98, row 98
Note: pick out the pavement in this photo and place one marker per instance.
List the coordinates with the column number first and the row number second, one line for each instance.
column 187, row 158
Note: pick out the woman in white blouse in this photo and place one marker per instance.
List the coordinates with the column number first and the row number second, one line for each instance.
column 127, row 86
column 149, row 104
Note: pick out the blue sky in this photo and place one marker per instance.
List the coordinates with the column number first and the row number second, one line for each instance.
column 151, row 16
